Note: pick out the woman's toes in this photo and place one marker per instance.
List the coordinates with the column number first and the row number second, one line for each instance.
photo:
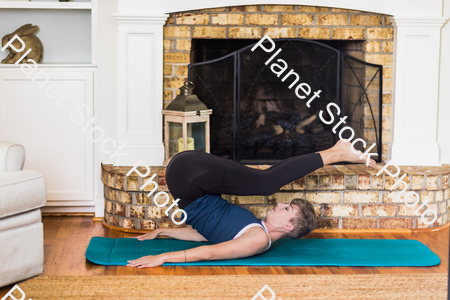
column 350, row 154
column 372, row 164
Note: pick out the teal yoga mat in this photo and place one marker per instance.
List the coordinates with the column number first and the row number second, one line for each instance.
column 301, row 252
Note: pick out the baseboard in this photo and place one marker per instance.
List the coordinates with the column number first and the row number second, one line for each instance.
column 68, row 209
column 68, row 215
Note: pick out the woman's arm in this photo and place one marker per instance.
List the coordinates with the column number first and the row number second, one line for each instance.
column 252, row 242
column 185, row 234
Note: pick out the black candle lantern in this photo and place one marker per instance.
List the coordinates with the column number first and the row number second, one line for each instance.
column 186, row 123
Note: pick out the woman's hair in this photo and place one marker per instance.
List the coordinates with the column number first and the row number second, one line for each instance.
column 304, row 221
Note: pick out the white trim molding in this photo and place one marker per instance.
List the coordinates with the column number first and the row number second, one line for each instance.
column 140, row 88
column 134, row 18
column 396, row 8
column 415, row 92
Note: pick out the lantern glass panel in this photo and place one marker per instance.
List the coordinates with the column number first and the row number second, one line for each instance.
column 175, row 133
column 197, row 132
column 196, row 137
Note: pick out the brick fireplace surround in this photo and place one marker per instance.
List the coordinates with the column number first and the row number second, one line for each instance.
column 344, row 196
column 284, row 21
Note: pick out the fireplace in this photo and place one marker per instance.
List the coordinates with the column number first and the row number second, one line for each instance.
column 344, row 196
column 165, row 38
column 259, row 116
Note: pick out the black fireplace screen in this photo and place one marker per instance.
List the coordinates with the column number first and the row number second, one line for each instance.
column 261, row 116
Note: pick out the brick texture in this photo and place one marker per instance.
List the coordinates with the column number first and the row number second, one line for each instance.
column 335, row 206
column 292, row 19
column 244, row 32
column 227, row 19
column 209, row 32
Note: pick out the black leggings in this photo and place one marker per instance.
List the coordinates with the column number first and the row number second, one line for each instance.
column 192, row 174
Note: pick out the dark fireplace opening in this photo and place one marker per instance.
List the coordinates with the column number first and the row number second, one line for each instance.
column 259, row 118
column 209, row 49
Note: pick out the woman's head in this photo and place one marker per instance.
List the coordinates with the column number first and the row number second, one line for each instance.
column 298, row 218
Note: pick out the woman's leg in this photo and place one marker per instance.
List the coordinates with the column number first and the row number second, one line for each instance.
column 193, row 174
column 247, row 181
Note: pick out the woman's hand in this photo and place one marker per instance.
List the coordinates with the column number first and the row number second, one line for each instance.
column 148, row 236
column 147, row 261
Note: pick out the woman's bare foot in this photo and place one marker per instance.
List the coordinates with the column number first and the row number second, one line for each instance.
column 345, row 148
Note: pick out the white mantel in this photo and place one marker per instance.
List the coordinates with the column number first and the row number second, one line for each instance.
column 391, row 7
column 421, row 98
column 140, row 88
column 416, row 94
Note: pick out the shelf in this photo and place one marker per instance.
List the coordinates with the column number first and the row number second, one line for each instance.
column 52, row 65
column 45, row 5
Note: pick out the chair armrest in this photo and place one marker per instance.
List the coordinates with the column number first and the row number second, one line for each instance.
column 12, row 157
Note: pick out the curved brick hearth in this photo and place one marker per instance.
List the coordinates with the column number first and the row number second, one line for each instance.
column 345, row 197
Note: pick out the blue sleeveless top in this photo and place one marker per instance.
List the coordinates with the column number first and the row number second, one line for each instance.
column 217, row 219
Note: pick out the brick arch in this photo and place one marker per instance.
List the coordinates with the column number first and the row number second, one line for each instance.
column 401, row 7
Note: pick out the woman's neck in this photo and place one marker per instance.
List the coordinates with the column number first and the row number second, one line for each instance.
column 274, row 233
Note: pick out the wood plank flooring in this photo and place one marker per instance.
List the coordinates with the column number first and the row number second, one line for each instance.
column 66, row 240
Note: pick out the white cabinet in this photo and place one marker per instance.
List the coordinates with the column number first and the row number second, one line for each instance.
column 54, row 129
column 51, row 129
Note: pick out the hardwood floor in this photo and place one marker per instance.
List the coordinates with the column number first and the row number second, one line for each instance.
column 66, row 240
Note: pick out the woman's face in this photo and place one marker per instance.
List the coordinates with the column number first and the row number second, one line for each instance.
column 280, row 215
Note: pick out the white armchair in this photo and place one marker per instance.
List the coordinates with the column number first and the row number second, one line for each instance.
column 22, row 193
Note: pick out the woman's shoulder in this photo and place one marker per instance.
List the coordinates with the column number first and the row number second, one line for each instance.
column 256, row 229
column 259, row 233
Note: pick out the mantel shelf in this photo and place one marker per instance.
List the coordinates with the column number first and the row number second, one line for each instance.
column 45, row 5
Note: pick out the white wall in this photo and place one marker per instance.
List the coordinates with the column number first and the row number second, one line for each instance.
column 444, row 89
column 107, row 73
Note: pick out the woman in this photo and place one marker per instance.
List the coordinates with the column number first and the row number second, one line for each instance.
column 198, row 179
